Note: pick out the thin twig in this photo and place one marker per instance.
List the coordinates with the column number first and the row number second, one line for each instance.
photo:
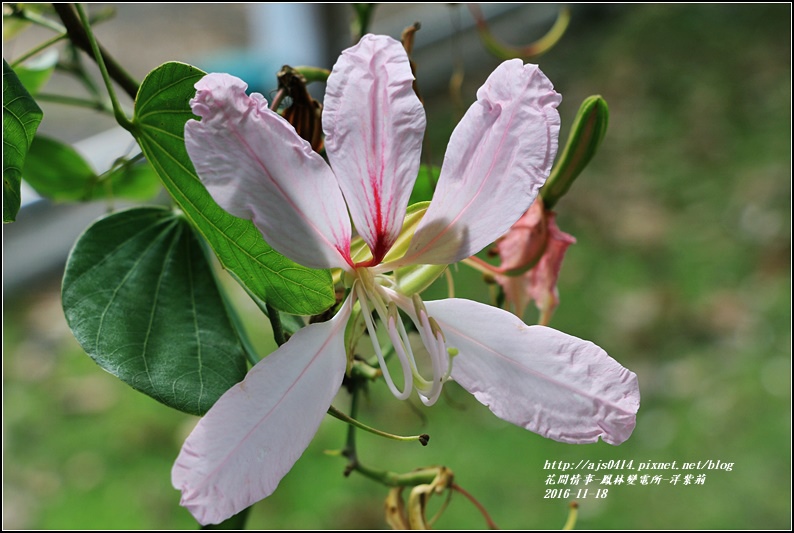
column 78, row 36
column 275, row 323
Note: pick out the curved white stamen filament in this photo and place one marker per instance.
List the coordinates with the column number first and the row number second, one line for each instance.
column 363, row 298
column 377, row 298
column 432, row 343
column 401, row 345
column 422, row 384
column 432, row 338
column 377, row 294
column 400, row 350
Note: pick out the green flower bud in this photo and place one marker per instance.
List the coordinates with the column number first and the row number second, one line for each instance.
column 589, row 128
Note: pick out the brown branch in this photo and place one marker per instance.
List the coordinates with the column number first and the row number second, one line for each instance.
column 79, row 38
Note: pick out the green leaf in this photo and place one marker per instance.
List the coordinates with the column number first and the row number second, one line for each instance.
column 132, row 180
column 55, row 170
column 425, row 184
column 161, row 111
column 21, row 118
column 17, row 17
column 13, row 26
column 35, row 73
column 142, row 301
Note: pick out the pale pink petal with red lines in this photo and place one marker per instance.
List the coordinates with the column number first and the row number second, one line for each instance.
column 251, row 437
column 498, row 157
column 556, row 385
column 256, row 167
column 374, row 124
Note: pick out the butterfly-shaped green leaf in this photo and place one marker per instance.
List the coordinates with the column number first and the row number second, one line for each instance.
column 142, row 301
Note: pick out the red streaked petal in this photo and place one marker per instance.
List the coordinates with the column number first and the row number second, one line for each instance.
column 249, row 440
column 498, row 157
column 257, row 168
column 374, row 125
column 556, row 385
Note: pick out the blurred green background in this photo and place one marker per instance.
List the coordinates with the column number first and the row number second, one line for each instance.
column 681, row 272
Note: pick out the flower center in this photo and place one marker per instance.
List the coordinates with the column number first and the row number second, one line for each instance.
column 377, row 294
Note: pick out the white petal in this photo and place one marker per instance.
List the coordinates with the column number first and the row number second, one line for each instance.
column 498, row 157
column 256, row 167
column 538, row 378
column 249, row 440
column 374, row 124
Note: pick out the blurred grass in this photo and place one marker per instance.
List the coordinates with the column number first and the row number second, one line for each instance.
column 681, row 272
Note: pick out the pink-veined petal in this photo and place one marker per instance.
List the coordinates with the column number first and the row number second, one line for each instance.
column 498, row 157
column 536, row 377
column 256, row 167
column 251, row 437
column 374, row 124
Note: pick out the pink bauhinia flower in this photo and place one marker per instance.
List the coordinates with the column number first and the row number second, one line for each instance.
column 256, row 167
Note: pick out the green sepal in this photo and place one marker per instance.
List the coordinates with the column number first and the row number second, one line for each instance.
column 413, row 279
column 413, row 216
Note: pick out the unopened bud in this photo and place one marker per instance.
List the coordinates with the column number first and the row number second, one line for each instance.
column 589, row 128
